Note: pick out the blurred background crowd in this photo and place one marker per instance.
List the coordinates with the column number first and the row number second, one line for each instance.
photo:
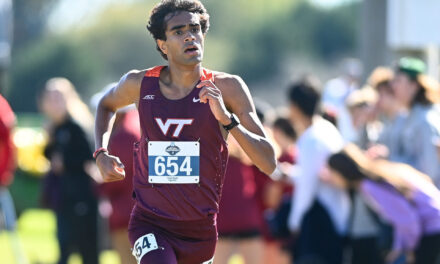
column 347, row 89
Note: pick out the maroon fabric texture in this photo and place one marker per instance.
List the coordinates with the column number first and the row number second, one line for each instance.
column 188, row 242
column 179, row 201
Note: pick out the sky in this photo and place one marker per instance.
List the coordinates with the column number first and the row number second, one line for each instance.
column 68, row 13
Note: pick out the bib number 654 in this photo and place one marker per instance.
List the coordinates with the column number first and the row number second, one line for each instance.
column 171, row 166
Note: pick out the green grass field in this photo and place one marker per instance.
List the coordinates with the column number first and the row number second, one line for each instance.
column 35, row 242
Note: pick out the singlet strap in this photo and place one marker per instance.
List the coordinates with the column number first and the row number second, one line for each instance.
column 207, row 75
column 154, row 71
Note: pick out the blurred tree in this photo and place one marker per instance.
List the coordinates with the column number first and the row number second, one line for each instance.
column 250, row 38
column 335, row 31
column 49, row 58
column 323, row 34
column 30, row 19
column 5, row 40
column 121, row 43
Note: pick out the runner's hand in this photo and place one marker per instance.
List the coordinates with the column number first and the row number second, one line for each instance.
column 211, row 94
column 111, row 167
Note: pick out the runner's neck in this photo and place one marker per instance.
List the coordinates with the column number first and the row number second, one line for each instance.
column 182, row 78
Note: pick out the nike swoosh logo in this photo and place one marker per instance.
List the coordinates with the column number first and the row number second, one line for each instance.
column 196, row 100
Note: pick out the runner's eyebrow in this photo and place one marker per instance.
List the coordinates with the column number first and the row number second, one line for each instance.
column 182, row 26
column 177, row 27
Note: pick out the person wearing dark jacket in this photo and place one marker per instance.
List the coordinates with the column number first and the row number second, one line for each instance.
column 68, row 189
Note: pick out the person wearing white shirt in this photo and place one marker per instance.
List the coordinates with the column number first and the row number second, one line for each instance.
column 319, row 212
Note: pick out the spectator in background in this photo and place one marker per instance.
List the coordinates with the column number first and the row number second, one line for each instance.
column 362, row 228
column 319, row 211
column 418, row 94
column 390, row 112
column 361, row 105
column 238, row 221
column 398, row 194
column 336, row 92
column 68, row 189
column 278, row 194
column 266, row 195
column 330, row 116
column 7, row 166
column 285, row 137
column 437, row 145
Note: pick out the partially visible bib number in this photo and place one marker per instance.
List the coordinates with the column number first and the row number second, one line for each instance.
column 174, row 162
column 143, row 245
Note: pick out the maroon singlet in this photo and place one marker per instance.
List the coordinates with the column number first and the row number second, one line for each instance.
column 182, row 202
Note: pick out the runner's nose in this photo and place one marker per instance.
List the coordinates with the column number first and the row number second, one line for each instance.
column 189, row 36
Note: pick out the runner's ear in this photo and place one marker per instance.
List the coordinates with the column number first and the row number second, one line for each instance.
column 162, row 45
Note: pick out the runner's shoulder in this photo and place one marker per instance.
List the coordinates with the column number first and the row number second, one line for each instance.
column 227, row 81
column 133, row 78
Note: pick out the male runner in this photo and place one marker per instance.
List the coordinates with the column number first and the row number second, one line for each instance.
column 179, row 164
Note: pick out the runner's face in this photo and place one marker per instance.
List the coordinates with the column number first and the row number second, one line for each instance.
column 184, row 39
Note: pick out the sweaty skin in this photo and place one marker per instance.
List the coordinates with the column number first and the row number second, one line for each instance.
column 228, row 94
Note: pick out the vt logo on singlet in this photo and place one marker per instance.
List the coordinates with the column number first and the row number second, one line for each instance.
column 178, row 123
column 173, row 162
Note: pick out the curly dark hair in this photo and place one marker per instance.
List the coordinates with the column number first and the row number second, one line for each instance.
column 157, row 23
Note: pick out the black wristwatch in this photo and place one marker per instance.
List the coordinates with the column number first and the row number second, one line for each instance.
column 233, row 123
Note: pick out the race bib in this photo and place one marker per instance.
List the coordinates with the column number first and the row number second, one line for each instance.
column 143, row 245
column 174, row 162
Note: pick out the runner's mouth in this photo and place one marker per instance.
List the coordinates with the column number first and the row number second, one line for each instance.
column 191, row 49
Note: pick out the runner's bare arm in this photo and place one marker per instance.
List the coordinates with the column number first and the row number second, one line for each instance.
column 232, row 95
column 126, row 92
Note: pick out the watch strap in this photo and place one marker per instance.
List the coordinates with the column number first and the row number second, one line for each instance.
column 233, row 124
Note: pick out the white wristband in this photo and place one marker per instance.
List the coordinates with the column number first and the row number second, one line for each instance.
column 276, row 175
